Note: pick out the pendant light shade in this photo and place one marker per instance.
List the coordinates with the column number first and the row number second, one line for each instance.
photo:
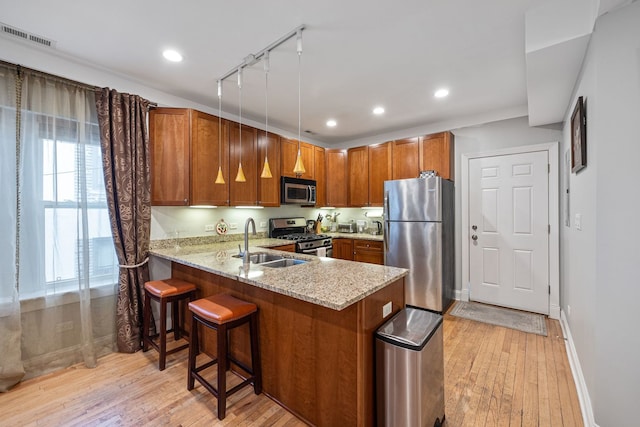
column 240, row 175
column 298, row 168
column 220, row 177
column 266, row 170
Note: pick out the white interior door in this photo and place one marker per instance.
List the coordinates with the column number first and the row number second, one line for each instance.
column 509, row 231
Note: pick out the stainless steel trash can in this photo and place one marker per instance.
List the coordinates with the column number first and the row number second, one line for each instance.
column 410, row 370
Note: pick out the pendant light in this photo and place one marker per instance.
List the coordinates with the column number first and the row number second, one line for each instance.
column 266, row 170
column 240, row 176
column 298, row 168
column 220, row 178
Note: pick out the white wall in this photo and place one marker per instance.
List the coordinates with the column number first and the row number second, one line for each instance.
column 483, row 138
column 600, row 276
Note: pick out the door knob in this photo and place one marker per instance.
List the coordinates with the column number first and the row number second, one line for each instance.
column 474, row 237
column 474, row 227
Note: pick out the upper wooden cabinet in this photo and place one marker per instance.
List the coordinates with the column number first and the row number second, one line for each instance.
column 358, row 173
column 184, row 146
column 406, row 158
column 336, row 177
column 209, row 138
column 170, row 149
column 289, row 153
column 369, row 167
column 269, row 188
column 437, row 154
column 320, row 171
column 380, row 166
column 245, row 150
column 430, row 152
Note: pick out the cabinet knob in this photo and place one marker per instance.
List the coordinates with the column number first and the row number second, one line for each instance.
column 186, row 201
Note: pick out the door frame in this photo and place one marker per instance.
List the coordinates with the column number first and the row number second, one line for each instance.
column 552, row 149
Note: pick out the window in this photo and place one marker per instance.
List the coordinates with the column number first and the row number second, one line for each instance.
column 68, row 210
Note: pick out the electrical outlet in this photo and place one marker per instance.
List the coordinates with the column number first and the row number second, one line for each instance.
column 233, row 226
column 64, row 326
column 210, row 227
column 568, row 310
column 263, row 224
column 578, row 222
column 386, row 309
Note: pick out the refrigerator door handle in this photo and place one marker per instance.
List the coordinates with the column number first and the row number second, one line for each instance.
column 385, row 218
column 385, row 237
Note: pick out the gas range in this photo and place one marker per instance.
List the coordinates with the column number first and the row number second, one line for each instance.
column 296, row 229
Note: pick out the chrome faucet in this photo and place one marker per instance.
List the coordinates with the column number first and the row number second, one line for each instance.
column 245, row 255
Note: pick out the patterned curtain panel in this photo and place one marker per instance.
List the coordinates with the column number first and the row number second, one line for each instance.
column 125, row 156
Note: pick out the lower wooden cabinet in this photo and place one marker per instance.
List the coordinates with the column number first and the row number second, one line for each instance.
column 285, row 248
column 361, row 250
column 343, row 249
column 370, row 251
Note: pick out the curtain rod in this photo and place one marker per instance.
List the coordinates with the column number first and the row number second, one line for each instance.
column 62, row 79
column 253, row 58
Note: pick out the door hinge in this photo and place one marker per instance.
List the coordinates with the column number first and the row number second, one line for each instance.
column 548, row 167
column 549, row 289
column 549, row 228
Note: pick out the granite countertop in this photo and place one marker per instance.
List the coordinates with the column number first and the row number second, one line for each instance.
column 363, row 236
column 327, row 282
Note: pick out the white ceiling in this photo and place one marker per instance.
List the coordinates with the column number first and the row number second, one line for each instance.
column 356, row 54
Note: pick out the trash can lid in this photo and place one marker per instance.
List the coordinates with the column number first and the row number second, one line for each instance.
column 410, row 328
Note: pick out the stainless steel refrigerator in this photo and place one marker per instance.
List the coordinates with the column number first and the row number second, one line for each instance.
column 419, row 235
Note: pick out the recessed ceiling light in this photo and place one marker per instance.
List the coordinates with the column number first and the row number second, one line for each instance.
column 378, row 110
column 331, row 123
column 172, row 55
column 441, row 93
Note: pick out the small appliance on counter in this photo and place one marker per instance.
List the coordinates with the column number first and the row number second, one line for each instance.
column 361, row 225
column 346, row 227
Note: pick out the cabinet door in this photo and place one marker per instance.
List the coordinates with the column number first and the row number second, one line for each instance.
column 209, row 139
column 269, row 188
column 358, row 171
column 289, row 154
column 285, row 248
column 437, row 154
column 169, row 146
column 379, row 171
column 368, row 251
column 406, row 158
column 336, row 177
column 243, row 193
column 320, row 170
column 343, row 249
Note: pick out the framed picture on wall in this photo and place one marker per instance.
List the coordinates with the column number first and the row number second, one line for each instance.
column 578, row 137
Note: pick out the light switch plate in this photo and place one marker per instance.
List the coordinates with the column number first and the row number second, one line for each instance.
column 578, row 222
column 210, row 227
column 386, row 309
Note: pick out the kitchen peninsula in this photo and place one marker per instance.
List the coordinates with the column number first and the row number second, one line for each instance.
column 316, row 323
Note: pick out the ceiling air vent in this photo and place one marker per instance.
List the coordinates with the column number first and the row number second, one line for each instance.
column 26, row 36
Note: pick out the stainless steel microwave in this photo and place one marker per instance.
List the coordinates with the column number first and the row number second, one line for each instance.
column 296, row 191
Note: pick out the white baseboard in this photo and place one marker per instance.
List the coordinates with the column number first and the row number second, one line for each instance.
column 581, row 386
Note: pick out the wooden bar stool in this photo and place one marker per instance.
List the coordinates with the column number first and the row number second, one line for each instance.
column 165, row 291
column 222, row 313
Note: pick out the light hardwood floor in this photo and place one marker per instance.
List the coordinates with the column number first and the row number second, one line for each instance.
column 493, row 377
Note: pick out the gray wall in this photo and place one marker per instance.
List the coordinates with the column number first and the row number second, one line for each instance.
column 492, row 136
column 600, row 263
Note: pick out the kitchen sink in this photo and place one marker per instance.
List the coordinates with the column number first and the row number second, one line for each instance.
column 271, row 260
column 261, row 257
column 284, row 262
